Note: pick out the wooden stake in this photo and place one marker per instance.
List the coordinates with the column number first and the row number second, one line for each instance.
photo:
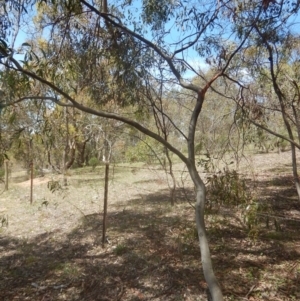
column 6, row 174
column 31, row 181
column 105, row 204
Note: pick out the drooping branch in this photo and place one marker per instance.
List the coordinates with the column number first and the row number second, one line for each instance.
column 77, row 105
column 274, row 133
column 21, row 99
column 269, row 130
column 163, row 113
column 276, row 87
column 198, row 35
column 156, row 48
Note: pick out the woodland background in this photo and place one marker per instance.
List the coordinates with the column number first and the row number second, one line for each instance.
column 183, row 100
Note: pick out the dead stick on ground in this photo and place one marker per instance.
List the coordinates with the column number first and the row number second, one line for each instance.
column 251, row 290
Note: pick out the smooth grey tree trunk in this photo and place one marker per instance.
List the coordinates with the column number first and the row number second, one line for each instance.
column 209, row 275
column 207, row 266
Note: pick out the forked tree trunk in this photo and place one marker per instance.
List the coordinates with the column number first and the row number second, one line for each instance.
column 210, row 278
column 72, row 152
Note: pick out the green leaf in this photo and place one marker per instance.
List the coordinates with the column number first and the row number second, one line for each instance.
column 12, row 117
column 43, row 52
column 26, row 44
column 3, row 43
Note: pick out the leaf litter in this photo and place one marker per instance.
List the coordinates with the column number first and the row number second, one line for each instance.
column 54, row 252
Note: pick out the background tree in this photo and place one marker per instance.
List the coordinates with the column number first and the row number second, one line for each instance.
column 269, row 94
column 96, row 50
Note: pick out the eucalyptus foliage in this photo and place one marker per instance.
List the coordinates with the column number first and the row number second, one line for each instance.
column 120, row 60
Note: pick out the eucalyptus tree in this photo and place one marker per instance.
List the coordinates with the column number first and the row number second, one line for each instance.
column 279, row 91
column 20, row 125
column 282, row 74
column 269, row 89
column 113, row 51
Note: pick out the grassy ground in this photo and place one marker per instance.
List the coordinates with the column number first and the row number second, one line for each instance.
column 51, row 250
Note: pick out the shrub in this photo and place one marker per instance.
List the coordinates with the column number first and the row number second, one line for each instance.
column 148, row 151
column 120, row 250
column 227, row 187
column 2, row 172
column 93, row 162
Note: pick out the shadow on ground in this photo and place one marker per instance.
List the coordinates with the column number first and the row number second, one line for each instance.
column 152, row 254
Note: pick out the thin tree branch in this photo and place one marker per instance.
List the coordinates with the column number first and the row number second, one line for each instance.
column 157, row 49
column 190, row 44
column 99, row 113
column 53, row 99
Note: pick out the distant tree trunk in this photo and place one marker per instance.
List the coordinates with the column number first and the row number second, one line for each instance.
column 66, row 149
column 71, row 153
column 295, row 171
column 173, row 186
column 162, row 124
column 294, row 158
column 291, row 136
column 51, row 164
column 81, row 147
column 296, row 115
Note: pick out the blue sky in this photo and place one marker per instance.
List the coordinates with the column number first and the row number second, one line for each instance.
column 191, row 56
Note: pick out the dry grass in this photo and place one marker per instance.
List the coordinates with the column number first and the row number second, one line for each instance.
column 51, row 250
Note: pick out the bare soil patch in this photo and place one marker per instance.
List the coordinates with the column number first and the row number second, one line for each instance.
column 51, row 250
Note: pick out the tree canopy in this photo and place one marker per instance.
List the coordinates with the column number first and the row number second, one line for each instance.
column 135, row 61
